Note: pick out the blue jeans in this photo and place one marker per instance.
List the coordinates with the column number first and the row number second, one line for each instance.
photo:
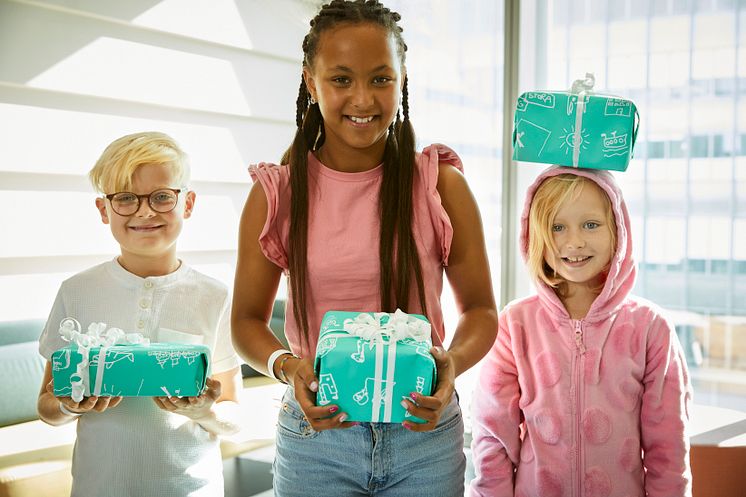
column 371, row 459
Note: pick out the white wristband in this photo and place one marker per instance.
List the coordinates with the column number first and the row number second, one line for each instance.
column 65, row 410
column 271, row 362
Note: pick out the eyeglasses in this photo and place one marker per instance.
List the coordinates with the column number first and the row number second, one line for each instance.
column 161, row 201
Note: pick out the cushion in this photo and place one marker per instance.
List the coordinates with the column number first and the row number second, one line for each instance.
column 21, row 372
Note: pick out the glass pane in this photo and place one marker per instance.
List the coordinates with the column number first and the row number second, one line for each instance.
column 455, row 67
column 689, row 186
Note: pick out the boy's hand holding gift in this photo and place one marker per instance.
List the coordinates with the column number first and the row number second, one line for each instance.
column 87, row 404
column 196, row 408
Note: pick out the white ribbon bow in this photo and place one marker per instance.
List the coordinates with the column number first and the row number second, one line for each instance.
column 400, row 326
column 96, row 336
column 580, row 87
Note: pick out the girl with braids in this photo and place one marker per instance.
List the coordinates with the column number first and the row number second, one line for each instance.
column 358, row 220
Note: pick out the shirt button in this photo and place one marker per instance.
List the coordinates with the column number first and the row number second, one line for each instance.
column 144, row 303
column 141, row 324
column 148, row 284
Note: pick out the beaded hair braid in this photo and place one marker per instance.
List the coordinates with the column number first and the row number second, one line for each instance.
column 399, row 260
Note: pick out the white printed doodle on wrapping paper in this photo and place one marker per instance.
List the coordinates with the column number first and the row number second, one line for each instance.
column 614, row 145
column 420, row 388
column 359, row 356
column 329, row 324
column 540, row 99
column 531, row 133
column 618, row 107
column 568, row 140
column 62, row 361
column 327, row 389
column 175, row 356
column 363, row 396
column 423, row 349
column 112, row 357
column 325, row 346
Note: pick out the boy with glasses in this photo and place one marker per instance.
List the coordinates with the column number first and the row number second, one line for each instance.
column 165, row 446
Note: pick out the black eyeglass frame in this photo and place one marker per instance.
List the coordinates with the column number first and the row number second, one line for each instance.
column 149, row 196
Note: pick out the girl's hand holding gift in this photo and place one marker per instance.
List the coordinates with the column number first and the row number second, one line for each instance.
column 72, row 408
column 300, row 374
column 427, row 407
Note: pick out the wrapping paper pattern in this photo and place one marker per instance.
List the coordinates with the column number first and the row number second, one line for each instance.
column 580, row 130
column 135, row 368
column 367, row 373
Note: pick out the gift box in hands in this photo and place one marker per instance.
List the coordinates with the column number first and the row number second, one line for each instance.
column 367, row 363
column 109, row 362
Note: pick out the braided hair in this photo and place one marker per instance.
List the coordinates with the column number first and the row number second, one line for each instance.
column 399, row 260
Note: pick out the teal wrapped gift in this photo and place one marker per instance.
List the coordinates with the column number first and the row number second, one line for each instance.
column 112, row 363
column 576, row 128
column 367, row 363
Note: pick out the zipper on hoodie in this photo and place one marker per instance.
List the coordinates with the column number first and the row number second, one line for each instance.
column 577, row 398
column 579, row 335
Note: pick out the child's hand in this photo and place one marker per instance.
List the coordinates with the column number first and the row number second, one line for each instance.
column 430, row 408
column 300, row 374
column 195, row 408
column 98, row 404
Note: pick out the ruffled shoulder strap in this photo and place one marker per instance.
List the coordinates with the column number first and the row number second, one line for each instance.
column 275, row 183
column 428, row 163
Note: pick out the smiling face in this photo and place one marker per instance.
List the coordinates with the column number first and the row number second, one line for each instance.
column 148, row 238
column 356, row 77
column 582, row 236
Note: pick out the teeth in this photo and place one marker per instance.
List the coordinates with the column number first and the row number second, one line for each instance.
column 576, row 259
column 361, row 120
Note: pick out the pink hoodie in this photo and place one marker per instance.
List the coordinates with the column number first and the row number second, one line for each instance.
column 595, row 407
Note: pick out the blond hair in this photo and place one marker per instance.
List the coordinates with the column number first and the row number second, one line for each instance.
column 548, row 198
column 115, row 168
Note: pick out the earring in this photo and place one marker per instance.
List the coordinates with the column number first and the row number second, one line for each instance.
column 313, row 100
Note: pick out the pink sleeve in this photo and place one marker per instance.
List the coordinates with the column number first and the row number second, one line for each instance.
column 273, row 184
column 664, row 415
column 428, row 162
column 496, row 420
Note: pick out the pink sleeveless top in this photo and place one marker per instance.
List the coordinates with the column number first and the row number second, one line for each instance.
column 343, row 237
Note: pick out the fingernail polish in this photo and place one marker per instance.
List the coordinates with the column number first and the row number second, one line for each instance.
column 333, row 409
column 342, row 418
column 413, row 395
column 404, row 404
column 405, row 425
column 314, row 386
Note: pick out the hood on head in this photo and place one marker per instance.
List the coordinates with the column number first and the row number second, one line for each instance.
column 622, row 270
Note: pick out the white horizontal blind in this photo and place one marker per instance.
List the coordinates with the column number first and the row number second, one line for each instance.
column 221, row 77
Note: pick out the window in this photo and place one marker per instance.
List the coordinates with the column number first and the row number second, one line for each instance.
column 688, row 174
column 79, row 80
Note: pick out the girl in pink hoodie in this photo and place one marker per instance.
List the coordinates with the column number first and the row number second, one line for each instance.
column 585, row 392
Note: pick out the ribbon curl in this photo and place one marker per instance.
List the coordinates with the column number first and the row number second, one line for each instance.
column 96, row 336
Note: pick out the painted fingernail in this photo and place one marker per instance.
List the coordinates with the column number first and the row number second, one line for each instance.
column 333, row 409
column 342, row 418
column 314, row 386
column 355, row 423
column 405, row 404
column 405, row 425
column 413, row 395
